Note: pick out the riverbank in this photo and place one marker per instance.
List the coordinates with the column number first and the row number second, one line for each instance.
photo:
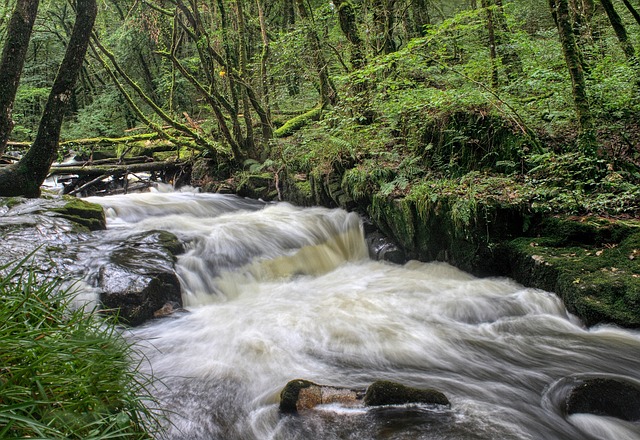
column 472, row 190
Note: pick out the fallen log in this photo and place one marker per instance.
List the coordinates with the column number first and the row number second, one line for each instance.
column 112, row 161
column 98, row 170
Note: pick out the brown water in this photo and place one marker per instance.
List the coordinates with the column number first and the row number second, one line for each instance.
column 276, row 293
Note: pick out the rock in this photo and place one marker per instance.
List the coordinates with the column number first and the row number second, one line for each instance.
column 606, row 397
column 384, row 392
column 139, row 280
column 302, row 394
column 382, row 248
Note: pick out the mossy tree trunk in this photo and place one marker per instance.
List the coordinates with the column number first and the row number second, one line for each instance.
column 25, row 177
column 347, row 18
column 384, row 18
column 506, row 49
column 560, row 12
column 493, row 53
column 12, row 62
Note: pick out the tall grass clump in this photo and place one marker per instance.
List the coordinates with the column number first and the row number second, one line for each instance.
column 65, row 373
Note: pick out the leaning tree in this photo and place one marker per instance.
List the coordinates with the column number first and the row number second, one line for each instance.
column 12, row 62
column 25, row 177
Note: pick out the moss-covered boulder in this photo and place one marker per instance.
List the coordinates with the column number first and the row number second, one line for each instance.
column 605, row 397
column 384, row 392
column 83, row 213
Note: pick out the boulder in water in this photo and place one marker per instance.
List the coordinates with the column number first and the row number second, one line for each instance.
column 385, row 392
column 302, row 394
column 139, row 280
column 605, row 397
column 382, row 248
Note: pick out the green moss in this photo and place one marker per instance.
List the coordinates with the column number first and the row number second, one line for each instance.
column 10, row 202
column 598, row 280
column 296, row 123
column 304, row 187
column 85, row 214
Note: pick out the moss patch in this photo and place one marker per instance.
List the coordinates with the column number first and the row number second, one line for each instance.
column 296, row 123
column 85, row 214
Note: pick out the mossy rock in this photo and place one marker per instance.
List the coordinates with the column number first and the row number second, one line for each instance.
column 384, row 392
column 598, row 280
column 83, row 213
column 257, row 186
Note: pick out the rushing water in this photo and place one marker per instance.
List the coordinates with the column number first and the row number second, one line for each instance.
column 276, row 293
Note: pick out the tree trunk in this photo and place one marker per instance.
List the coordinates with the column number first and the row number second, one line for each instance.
column 28, row 174
column 384, row 18
column 506, row 49
column 493, row 53
column 620, row 30
column 328, row 93
column 560, row 12
column 347, row 18
column 421, row 16
column 633, row 10
column 13, row 56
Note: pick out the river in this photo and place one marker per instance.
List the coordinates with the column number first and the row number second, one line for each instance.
column 276, row 292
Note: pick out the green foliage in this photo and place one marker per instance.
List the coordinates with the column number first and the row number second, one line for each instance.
column 64, row 373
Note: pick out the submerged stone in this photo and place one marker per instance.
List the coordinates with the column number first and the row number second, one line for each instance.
column 606, row 397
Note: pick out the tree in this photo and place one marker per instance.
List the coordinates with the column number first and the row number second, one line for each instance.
column 620, row 30
column 25, row 177
column 347, row 18
column 12, row 62
column 328, row 92
column 560, row 12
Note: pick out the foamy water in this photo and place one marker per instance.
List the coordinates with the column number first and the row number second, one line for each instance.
column 276, row 293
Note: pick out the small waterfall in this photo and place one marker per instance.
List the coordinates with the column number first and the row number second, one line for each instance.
column 276, row 292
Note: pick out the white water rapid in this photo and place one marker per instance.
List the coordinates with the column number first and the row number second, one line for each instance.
column 275, row 293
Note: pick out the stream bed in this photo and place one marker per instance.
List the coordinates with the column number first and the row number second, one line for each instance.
column 274, row 292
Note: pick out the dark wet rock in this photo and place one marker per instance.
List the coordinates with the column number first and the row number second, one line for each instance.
column 384, row 392
column 605, row 397
column 139, row 280
column 49, row 232
column 382, row 248
column 302, row 394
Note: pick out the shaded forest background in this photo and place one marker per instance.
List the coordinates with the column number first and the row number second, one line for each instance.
column 399, row 89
